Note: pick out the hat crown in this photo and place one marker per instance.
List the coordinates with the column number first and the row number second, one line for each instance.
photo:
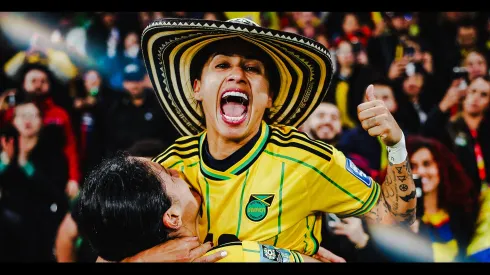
column 244, row 21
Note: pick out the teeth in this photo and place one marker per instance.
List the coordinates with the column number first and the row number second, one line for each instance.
column 234, row 119
column 232, row 93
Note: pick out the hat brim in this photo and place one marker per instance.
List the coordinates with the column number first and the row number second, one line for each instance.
column 169, row 45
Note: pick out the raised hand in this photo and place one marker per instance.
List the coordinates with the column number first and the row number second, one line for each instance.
column 377, row 119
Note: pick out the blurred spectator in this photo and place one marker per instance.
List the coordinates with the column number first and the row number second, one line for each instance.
column 135, row 115
column 41, row 51
column 412, row 101
column 349, row 239
column 479, row 248
column 389, row 49
column 105, row 45
column 476, row 65
column 90, row 105
column 453, row 54
column 467, row 133
column 349, row 84
column 448, row 200
column 324, row 124
column 371, row 151
column 37, row 83
column 214, row 16
column 353, row 31
column 33, row 174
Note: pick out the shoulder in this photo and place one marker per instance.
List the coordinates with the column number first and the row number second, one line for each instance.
column 288, row 139
column 59, row 112
column 183, row 148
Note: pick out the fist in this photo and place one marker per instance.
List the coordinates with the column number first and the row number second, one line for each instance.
column 377, row 120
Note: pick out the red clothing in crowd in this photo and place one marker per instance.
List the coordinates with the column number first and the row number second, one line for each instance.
column 54, row 114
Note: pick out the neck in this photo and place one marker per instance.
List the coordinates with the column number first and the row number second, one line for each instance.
column 430, row 203
column 221, row 148
column 137, row 101
column 28, row 142
column 345, row 71
column 414, row 98
column 473, row 121
column 188, row 229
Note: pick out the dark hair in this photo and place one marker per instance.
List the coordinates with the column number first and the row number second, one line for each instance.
column 27, row 67
column 121, row 207
column 232, row 46
column 455, row 190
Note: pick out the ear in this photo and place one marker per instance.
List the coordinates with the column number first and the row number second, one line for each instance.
column 197, row 89
column 173, row 218
column 269, row 101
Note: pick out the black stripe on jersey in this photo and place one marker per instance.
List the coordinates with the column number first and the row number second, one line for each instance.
column 251, row 162
column 291, row 143
column 208, row 176
column 303, row 137
column 184, row 141
column 187, row 140
column 180, row 153
column 174, row 147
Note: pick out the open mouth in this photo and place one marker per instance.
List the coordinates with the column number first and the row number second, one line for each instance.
column 234, row 106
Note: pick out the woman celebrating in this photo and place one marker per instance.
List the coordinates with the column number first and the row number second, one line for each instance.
column 449, row 202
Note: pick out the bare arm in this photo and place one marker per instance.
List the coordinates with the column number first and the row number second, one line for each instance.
column 397, row 201
column 65, row 247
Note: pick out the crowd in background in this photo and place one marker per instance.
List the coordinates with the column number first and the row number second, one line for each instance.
column 74, row 90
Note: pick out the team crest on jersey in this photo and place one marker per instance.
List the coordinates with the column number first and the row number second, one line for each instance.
column 356, row 172
column 257, row 206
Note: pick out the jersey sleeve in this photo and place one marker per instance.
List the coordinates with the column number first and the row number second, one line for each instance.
column 337, row 186
column 180, row 157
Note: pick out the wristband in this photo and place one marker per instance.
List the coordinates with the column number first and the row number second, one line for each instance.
column 398, row 152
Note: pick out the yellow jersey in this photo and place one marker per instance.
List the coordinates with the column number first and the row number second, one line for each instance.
column 273, row 189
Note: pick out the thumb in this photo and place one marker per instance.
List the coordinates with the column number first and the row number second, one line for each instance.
column 370, row 93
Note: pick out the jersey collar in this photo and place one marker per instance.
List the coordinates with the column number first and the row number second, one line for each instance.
column 242, row 159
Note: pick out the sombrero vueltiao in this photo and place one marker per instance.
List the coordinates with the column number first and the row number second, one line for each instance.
column 169, row 45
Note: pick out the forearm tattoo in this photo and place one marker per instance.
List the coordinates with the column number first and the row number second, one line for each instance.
column 397, row 199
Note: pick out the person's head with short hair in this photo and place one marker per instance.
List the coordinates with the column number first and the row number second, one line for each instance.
column 350, row 23
column 132, row 47
column 476, row 64
column 324, row 123
column 467, row 35
column 477, row 97
column 129, row 204
column 28, row 117
column 37, row 80
column 399, row 21
column 345, row 54
column 134, row 79
column 412, row 85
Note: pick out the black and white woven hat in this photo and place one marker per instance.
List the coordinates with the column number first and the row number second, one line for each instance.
column 169, row 46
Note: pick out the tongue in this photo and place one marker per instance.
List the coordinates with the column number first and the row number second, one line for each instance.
column 233, row 109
